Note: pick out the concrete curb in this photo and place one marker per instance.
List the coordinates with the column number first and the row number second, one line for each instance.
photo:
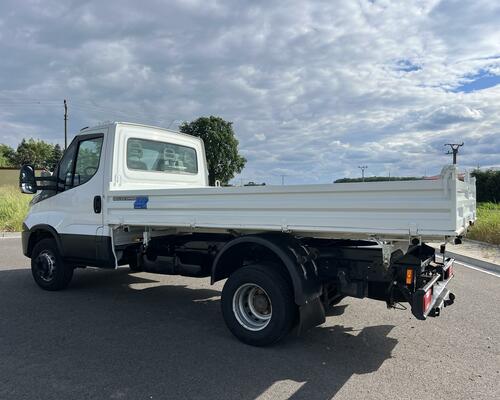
column 10, row 235
column 474, row 261
column 481, row 243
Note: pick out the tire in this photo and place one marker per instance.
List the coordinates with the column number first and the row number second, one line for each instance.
column 48, row 268
column 269, row 316
column 135, row 268
column 134, row 264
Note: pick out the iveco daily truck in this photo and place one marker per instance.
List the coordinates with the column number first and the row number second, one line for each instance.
column 129, row 194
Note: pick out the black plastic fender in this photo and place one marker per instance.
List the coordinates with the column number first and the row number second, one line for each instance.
column 294, row 256
column 46, row 230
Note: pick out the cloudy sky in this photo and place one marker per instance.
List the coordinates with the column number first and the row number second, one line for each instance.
column 314, row 88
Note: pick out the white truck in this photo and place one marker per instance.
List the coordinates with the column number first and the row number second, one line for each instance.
column 129, row 194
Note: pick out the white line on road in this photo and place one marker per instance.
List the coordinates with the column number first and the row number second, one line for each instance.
column 461, row 263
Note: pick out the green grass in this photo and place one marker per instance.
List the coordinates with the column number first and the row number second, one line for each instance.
column 13, row 208
column 487, row 226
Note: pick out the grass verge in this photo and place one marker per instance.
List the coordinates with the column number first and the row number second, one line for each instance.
column 13, row 208
column 487, row 227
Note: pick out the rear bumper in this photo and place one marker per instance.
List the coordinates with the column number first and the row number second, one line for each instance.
column 429, row 300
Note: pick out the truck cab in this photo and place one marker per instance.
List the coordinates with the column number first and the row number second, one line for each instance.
column 118, row 156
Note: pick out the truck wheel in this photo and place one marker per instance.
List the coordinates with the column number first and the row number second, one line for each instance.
column 48, row 268
column 134, row 265
column 258, row 305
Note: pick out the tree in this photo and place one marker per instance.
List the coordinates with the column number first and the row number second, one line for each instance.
column 487, row 185
column 221, row 147
column 7, row 156
column 35, row 152
column 55, row 156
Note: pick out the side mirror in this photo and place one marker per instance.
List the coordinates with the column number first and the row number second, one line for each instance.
column 27, row 181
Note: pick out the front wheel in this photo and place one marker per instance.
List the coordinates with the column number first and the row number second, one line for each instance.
column 258, row 304
column 48, row 268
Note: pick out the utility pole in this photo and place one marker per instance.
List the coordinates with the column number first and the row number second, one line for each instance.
column 282, row 179
column 362, row 168
column 65, row 124
column 454, row 150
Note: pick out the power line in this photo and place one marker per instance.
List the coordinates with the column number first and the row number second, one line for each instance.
column 85, row 105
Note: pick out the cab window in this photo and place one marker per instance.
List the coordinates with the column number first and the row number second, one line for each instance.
column 79, row 163
column 87, row 160
column 65, row 169
column 152, row 155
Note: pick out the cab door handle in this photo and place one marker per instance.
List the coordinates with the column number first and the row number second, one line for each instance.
column 97, row 204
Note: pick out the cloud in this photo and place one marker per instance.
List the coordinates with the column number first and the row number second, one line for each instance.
column 313, row 88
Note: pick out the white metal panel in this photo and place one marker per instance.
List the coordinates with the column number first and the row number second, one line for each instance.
column 427, row 208
column 123, row 178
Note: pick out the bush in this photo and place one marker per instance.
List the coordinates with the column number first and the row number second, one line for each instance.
column 487, row 185
column 13, row 208
column 487, row 226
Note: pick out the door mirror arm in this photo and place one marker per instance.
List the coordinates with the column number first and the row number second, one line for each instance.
column 28, row 181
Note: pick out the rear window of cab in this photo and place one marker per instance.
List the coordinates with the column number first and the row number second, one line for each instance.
column 152, row 155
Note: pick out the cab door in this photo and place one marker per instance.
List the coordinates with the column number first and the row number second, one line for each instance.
column 76, row 208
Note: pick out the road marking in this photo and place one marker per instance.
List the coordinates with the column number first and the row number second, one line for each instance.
column 461, row 263
column 10, row 237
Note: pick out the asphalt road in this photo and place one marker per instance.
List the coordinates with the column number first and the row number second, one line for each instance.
column 118, row 335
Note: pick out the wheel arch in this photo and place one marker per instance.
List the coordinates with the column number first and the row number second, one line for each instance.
column 284, row 248
column 36, row 233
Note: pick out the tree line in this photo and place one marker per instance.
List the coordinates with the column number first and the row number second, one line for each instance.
column 487, row 183
column 377, row 179
column 40, row 154
column 221, row 147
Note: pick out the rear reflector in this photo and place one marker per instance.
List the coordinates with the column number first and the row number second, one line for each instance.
column 427, row 299
column 449, row 272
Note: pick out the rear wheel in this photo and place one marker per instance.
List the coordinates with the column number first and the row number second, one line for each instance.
column 133, row 262
column 258, row 305
column 49, row 270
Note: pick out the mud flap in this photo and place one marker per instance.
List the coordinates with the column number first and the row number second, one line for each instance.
column 311, row 314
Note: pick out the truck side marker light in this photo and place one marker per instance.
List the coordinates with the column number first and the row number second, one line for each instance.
column 409, row 276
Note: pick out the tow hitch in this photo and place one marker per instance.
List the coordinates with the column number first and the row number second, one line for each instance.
column 429, row 300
